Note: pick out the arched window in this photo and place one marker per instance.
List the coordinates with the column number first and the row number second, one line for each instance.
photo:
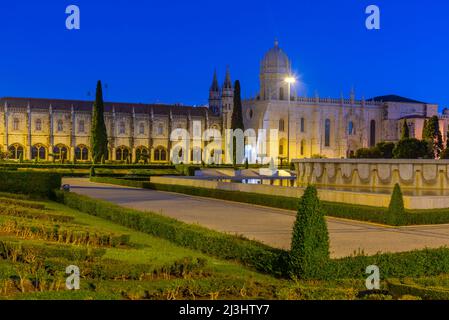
column 303, row 146
column 122, row 153
column 351, row 130
column 81, row 126
column 38, row 125
column 15, row 151
column 82, row 153
column 281, row 93
column 160, row 154
column 121, row 128
column 39, row 152
column 60, row 152
column 303, row 125
column 281, row 125
column 141, row 128
column 372, row 135
column 282, row 146
column 160, row 130
column 15, row 124
column 60, row 126
column 327, row 133
column 142, row 154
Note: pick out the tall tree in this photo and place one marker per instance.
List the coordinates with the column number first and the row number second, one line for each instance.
column 424, row 129
column 237, row 116
column 405, row 134
column 99, row 137
column 447, row 139
column 432, row 134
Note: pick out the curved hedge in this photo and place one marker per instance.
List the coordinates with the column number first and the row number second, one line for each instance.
column 34, row 183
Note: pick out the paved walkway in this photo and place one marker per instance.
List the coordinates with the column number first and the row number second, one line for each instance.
column 268, row 225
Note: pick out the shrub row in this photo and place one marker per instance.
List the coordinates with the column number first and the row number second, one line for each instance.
column 34, row 183
column 427, row 262
column 14, row 196
column 399, row 289
column 31, row 213
column 412, row 264
column 22, row 252
column 332, row 209
column 83, row 166
column 247, row 252
column 21, row 203
column 62, row 234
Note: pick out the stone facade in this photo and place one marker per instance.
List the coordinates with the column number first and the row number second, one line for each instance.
column 334, row 128
column 38, row 128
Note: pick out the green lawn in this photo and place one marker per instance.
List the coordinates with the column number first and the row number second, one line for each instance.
column 147, row 267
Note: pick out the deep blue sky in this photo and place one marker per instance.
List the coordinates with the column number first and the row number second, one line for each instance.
column 166, row 51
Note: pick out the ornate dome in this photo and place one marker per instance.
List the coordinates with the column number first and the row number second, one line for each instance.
column 275, row 61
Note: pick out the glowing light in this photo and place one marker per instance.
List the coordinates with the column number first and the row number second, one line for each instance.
column 290, row 80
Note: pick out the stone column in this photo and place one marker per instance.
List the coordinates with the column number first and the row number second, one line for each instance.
column 52, row 138
column 6, row 122
column 72, row 134
column 113, row 135
column 150, row 135
column 189, row 128
column 131, row 139
column 28, row 124
column 170, row 128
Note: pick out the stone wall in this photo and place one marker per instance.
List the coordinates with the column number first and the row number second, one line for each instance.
column 351, row 197
column 410, row 174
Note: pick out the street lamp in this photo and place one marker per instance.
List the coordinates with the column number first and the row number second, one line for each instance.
column 289, row 80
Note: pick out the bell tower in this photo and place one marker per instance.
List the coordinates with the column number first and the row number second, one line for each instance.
column 215, row 97
column 227, row 100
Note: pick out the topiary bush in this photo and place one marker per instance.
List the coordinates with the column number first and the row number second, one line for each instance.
column 396, row 214
column 310, row 242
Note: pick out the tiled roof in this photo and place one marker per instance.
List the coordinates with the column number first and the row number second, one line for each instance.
column 120, row 107
column 395, row 98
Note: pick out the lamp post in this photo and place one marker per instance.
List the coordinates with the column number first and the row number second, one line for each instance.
column 289, row 80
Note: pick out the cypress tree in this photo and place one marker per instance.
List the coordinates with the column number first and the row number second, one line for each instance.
column 432, row 134
column 405, row 130
column 237, row 116
column 396, row 214
column 309, row 253
column 424, row 129
column 99, row 138
column 447, row 139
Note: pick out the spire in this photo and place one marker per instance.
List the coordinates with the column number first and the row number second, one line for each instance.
column 352, row 94
column 276, row 43
column 228, row 83
column 215, row 86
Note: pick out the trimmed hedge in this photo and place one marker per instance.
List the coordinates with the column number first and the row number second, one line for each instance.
column 399, row 289
column 33, row 165
column 412, row 264
column 34, row 183
column 332, row 209
column 429, row 262
column 229, row 247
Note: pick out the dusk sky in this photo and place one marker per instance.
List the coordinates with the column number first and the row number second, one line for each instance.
column 166, row 51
